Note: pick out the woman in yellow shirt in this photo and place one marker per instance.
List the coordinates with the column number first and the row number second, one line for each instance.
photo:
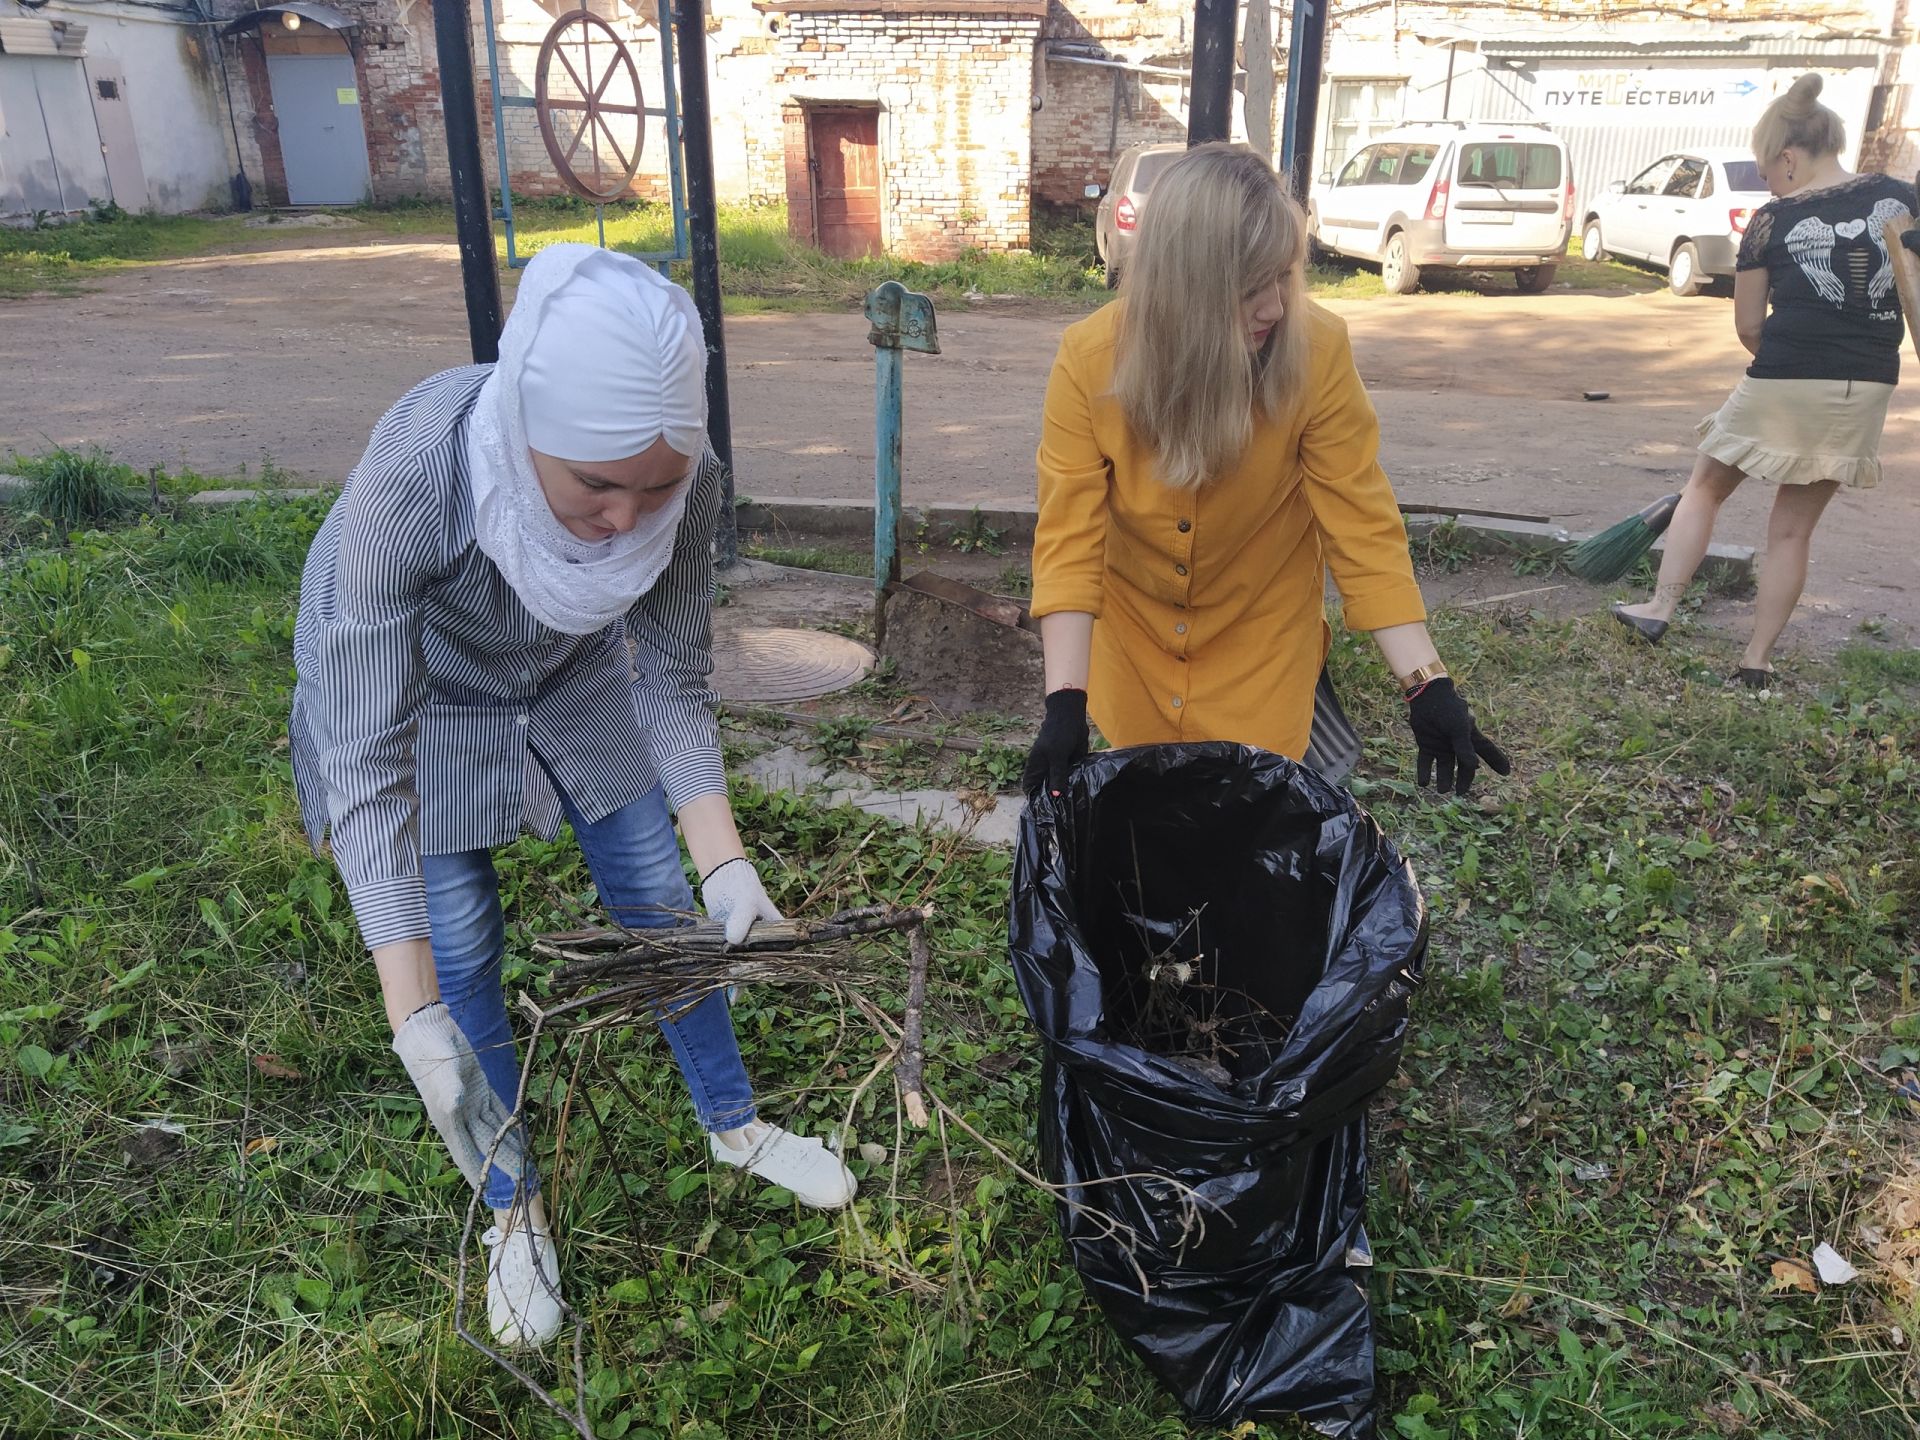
column 1208, row 453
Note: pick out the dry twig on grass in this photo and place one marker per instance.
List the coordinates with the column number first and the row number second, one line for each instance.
column 608, row 978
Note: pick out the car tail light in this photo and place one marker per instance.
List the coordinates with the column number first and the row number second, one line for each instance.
column 1738, row 220
column 1437, row 201
column 1566, row 208
column 1124, row 215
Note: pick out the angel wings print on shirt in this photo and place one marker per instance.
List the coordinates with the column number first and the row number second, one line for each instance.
column 1847, row 262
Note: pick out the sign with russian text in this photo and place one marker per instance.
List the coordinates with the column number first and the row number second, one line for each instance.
column 1735, row 93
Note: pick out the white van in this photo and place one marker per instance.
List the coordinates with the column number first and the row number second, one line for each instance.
column 1451, row 194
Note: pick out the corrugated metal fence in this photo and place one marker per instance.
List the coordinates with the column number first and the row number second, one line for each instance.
column 1604, row 153
column 1619, row 147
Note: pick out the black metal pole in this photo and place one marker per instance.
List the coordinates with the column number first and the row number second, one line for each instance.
column 1305, row 51
column 1210, row 98
column 472, row 215
column 703, row 229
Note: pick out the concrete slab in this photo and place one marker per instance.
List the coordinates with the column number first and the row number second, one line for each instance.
column 786, row 768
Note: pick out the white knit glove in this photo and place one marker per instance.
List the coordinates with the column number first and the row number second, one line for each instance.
column 460, row 1102
column 733, row 895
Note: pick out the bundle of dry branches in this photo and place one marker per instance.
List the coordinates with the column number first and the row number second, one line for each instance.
column 610, row 977
column 613, row 977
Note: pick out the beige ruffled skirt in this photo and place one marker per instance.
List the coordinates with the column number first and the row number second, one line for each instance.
column 1799, row 432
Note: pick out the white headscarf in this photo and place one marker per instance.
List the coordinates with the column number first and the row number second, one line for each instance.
column 600, row 357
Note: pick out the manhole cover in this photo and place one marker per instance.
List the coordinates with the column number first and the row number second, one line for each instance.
column 760, row 664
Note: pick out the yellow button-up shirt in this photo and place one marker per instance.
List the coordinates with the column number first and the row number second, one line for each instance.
column 1208, row 603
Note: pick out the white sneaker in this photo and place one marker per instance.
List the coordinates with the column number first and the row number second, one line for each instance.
column 524, row 1307
column 806, row 1167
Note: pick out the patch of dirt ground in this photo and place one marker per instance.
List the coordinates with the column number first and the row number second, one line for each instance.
column 292, row 351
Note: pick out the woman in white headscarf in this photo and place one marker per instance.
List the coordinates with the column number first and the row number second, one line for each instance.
column 504, row 622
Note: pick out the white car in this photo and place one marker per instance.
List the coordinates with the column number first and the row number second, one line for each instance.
column 1686, row 211
column 1451, row 194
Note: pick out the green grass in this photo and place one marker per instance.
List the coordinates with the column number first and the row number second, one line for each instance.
column 763, row 270
column 811, row 557
column 57, row 259
column 75, row 489
column 1336, row 277
column 1678, row 943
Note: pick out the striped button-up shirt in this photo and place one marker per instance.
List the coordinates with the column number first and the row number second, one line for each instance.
column 433, row 714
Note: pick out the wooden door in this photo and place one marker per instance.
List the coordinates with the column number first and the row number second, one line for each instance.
column 844, row 160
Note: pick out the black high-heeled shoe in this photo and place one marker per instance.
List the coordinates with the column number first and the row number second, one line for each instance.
column 1650, row 631
column 1754, row 679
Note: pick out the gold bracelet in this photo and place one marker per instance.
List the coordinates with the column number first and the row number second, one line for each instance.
column 1424, row 675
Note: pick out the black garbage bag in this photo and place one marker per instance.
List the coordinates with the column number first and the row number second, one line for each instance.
column 1218, row 949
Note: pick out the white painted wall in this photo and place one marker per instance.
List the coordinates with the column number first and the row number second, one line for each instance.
column 178, row 110
column 173, row 89
column 49, row 146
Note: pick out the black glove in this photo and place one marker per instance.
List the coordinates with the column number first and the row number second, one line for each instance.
column 1912, row 239
column 1443, row 731
column 1061, row 745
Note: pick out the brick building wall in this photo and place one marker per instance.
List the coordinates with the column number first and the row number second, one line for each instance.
column 397, row 65
column 953, row 84
column 984, row 105
column 522, row 27
column 399, row 85
column 1087, row 113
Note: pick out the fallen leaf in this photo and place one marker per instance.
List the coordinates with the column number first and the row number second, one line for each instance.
column 1517, row 1304
column 153, row 1144
column 1724, row 1418
column 274, row 1068
column 1792, row 1275
column 263, row 1145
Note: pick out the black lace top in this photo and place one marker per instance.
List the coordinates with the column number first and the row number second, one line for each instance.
column 1833, row 311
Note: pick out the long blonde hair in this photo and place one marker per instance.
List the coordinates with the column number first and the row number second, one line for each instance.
column 1798, row 120
column 1220, row 227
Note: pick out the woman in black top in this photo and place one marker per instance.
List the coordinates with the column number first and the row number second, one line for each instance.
column 1814, row 303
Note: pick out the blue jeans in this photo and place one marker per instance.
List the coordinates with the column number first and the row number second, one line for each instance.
column 635, row 860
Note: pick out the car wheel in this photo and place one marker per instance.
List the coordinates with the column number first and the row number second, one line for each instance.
column 1683, row 271
column 1535, row 279
column 1397, row 270
column 1591, row 247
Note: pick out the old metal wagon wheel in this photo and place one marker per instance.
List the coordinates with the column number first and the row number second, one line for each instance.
column 596, row 104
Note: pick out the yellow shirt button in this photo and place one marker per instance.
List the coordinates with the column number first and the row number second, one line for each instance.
column 1179, row 569
column 1176, row 702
